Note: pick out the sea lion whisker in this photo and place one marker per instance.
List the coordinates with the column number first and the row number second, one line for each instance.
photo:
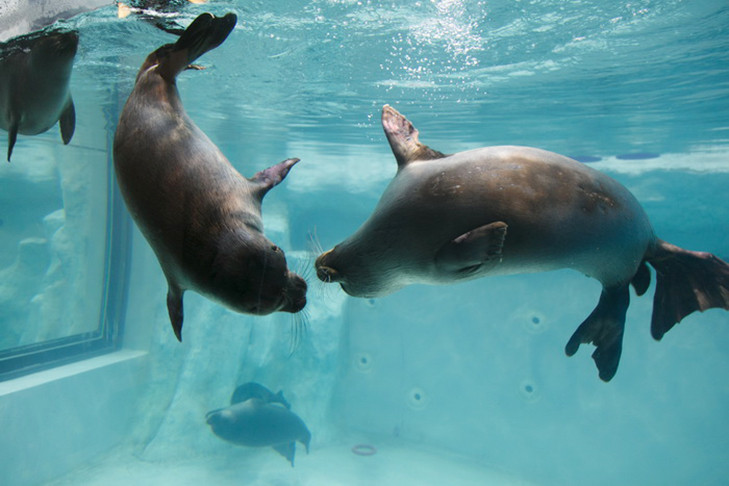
column 299, row 327
column 305, row 266
column 314, row 242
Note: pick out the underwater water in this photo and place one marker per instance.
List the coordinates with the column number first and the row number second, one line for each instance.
column 461, row 384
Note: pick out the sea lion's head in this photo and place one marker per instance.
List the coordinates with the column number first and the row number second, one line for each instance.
column 359, row 272
column 250, row 275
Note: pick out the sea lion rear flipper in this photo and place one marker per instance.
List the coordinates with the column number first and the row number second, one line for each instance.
column 266, row 179
column 686, row 281
column 206, row 32
column 403, row 138
column 175, row 309
column 472, row 250
column 287, row 450
column 12, row 137
column 604, row 328
column 67, row 122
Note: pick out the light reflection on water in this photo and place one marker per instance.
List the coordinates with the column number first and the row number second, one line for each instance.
column 590, row 77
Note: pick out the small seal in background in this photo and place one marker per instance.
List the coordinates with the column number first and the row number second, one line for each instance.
column 261, row 421
column 252, row 389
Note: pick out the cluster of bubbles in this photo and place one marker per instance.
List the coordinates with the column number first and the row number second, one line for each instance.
column 435, row 50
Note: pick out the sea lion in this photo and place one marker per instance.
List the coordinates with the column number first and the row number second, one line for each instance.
column 200, row 216
column 252, row 389
column 256, row 423
column 505, row 210
column 35, row 71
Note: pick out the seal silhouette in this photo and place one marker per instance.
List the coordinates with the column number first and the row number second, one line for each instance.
column 258, row 418
column 505, row 210
column 35, row 72
column 252, row 389
column 200, row 216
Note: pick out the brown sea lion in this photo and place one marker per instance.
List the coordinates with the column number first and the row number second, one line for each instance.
column 505, row 210
column 201, row 217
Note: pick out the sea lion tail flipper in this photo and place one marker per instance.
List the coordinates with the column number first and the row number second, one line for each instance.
column 175, row 309
column 266, row 179
column 686, row 281
column 472, row 250
column 206, row 32
column 604, row 328
column 403, row 138
column 287, row 450
column 67, row 122
column 12, row 137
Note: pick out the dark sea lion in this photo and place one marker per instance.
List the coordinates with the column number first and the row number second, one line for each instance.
column 201, row 217
column 252, row 389
column 35, row 70
column 505, row 210
column 255, row 423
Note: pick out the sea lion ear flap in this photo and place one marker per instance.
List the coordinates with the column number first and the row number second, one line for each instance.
column 403, row 138
column 268, row 178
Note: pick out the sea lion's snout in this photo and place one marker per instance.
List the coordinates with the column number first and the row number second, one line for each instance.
column 295, row 294
column 327, row 274
column 324, row 272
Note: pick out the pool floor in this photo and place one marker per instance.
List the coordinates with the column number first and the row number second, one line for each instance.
column 393, row 464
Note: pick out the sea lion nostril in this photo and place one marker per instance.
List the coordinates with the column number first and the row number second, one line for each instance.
column 326, row 274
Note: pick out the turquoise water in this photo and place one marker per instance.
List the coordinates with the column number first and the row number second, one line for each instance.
column 463, row 384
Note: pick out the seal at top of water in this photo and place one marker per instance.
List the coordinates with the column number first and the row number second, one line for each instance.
column 201, row 217
column 35, row 72
column 505, row 210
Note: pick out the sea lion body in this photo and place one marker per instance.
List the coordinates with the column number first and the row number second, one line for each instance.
column 35, row 73
column 200, row 216
column 559, row 213
column 255, row 423
column 505, row 210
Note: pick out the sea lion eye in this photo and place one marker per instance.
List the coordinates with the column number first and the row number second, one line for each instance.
column 275, row 248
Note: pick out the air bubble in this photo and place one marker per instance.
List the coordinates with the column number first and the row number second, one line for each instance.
column 362, row 362
column 417, row 399
column 529, row 391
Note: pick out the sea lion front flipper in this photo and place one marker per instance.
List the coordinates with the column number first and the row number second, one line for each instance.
column 67, row 122
column 403, row 138
column 175, row 309
column 287, row 450
column 279, row 398
column 266, row 179
column 604, row 328
column 472, row 250
column 12, row 137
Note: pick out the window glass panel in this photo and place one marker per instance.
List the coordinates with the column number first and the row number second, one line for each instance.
column 61, row 248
